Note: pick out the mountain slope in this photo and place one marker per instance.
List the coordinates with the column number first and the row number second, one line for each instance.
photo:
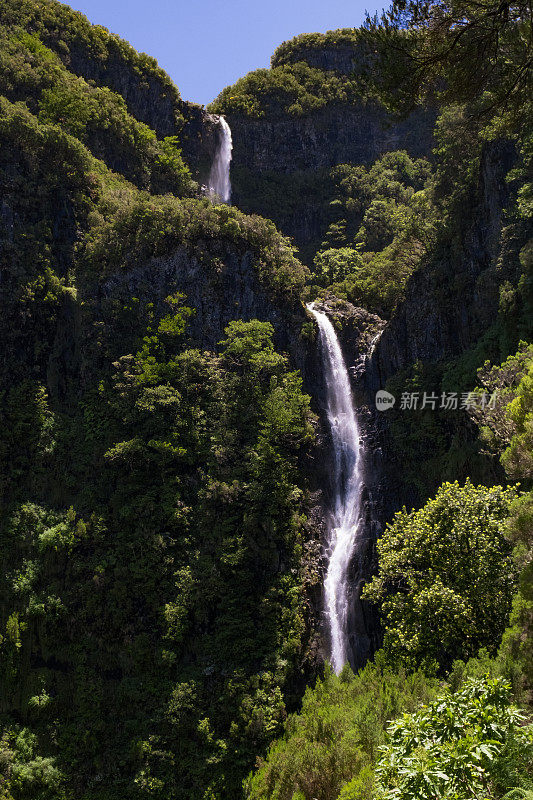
column 153, row 503
column 311, row 111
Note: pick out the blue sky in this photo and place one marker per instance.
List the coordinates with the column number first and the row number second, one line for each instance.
column 205, row 45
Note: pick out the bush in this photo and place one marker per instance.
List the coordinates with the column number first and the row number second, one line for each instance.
column 450, row 563
column 469, row 744
column 332, row 743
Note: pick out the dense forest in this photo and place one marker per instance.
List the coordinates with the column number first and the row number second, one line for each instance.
column 164, row 448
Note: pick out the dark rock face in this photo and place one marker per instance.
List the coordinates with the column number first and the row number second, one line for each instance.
column 365, row 631
column 343, row 58
column 343, row 51
column 218, row 295
column 450, row 304
column 335, row 135
column 230, row 290
column 199, row 138
column 298, row 202
column 310, row 146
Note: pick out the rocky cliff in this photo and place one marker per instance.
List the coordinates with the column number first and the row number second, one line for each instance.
column 448, row 324
column 273, row 158
column 454, row 300
column 355, row 134
column 311, row 112
column 150, row 97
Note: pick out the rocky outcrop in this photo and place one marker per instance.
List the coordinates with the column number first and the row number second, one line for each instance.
column 450, row 303
column 343, row 58
column 343, row 51
column 267, row 152
column 334, row 135
column 230, row 290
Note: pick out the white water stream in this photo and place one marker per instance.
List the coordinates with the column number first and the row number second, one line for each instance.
column 219, row 178
column 345, row 526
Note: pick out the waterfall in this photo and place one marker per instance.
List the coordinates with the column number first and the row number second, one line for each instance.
column 345, row 523
column 219, row 180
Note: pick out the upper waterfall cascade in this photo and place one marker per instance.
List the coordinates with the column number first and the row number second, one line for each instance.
column 219, row 177
column 345, row 525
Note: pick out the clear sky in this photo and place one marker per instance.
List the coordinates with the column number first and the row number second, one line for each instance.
column 206, row 45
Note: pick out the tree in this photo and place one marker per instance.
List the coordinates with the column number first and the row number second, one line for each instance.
column 507, row 427
column 446, row 576
column 457, row 49
column 518, row 457
column 504, row 421
column 336, row 263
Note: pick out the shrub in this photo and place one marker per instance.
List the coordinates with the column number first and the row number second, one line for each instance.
column 450, row 563
column 471, row 743
column 332, row 743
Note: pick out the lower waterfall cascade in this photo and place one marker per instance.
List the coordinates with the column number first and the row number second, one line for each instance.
column 345, row 524
column 219, row 185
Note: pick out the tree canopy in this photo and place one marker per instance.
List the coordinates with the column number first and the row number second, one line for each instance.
column 446, row 577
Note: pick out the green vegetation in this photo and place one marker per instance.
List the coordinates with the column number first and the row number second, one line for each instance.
column 445, row 582
column 335, row 739
column 471, row 743
column 72, row 36
column 153, row 599
column 153, row 511
column 294, row 89
column 95, row 115
column 154, row 226
column 291, row 51
column 449, row 563
column 454, row 742
column 384, row 219
column 159, row 561
column 507, row 430
column 457, row 51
